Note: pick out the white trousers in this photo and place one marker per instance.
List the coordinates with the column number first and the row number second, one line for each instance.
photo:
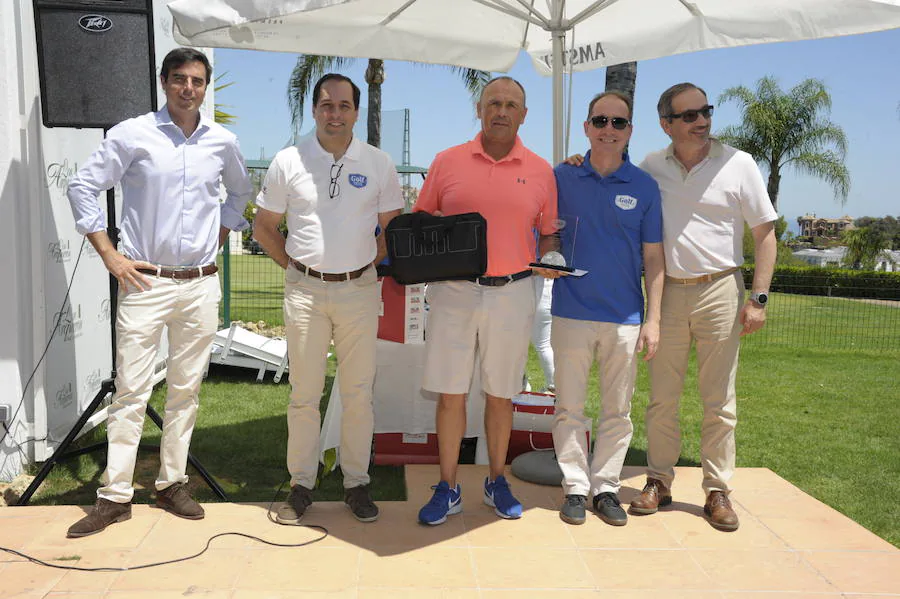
column 540, row 331
column 706, row 314
column 576, row 344
column 315, row 312
column 190, row 310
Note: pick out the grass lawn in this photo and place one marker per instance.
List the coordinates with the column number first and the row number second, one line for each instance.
column 257, row 288
column 825, row 419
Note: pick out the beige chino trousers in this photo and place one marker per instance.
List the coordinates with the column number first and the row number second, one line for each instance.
column 576, row 344
column 190, row 310
column 315, row 313
column 706, row 314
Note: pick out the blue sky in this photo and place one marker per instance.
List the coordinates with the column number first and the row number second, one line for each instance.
column 857, row 70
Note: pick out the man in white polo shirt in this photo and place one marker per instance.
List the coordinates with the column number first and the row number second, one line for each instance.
column 708, row 191
column 335, row 189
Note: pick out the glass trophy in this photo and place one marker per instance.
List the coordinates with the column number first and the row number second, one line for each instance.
column 560, row 254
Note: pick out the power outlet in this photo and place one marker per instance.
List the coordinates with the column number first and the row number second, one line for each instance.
column 4, row 414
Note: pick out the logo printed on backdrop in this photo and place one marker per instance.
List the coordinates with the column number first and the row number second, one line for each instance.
column 103, row 314
column 60, row 251
column 59, row 173
column 70, row 323
column 95, row 23
column 92, row 382
column 165, row 26
column 64, row 396
column 357, row 180
column 626, row 202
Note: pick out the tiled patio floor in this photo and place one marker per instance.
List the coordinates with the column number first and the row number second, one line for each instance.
column 789, row 546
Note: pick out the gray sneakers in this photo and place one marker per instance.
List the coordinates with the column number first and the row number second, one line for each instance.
column 104, row 513
column 572, row 510
column 295, row 506
column 609, row 509
column 360, row 503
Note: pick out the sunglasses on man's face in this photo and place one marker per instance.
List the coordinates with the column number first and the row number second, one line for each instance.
column 600, row 121
column 689, row 116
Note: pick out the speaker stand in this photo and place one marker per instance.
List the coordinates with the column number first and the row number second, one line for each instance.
column 107, row 387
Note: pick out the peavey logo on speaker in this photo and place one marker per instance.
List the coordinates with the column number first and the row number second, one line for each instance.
column 95, row 23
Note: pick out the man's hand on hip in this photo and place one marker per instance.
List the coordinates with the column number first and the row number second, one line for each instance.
column 753, row 317
column 125, row 271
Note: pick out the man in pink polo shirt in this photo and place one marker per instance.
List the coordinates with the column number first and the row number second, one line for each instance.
column 514, row 189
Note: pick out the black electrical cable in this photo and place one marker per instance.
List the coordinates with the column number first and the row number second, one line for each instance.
column 324, row 531
column 46, row 349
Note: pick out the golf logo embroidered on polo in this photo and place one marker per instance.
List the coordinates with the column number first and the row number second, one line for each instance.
column 626, row 202
column 357, row 180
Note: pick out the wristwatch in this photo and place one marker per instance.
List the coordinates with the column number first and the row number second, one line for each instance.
column 761, row 298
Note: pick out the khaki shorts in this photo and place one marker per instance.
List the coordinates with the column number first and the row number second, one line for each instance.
column 465, row 317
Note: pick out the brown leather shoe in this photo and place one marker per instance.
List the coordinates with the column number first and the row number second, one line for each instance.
column 654, row 495
column 176, row 499
column 719, row 512
column 104, row 513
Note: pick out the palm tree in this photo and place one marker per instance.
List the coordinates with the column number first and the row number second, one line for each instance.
column 310, row 68
column 220, row 116
column 863, row 247
column 790, row 129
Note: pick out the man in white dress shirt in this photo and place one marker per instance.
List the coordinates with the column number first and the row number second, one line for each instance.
column 170, row 165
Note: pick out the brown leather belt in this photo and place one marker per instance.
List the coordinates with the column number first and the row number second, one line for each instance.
column 181, row 272
column 704, row 278
column 329, row 276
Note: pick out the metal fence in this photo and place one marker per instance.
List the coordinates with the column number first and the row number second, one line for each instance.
column 809, row 314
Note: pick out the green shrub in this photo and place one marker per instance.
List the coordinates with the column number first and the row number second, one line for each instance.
column 832, row 282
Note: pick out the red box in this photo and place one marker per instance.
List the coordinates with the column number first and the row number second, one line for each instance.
column 394, row 449
column 533, row 424
column 402, row 315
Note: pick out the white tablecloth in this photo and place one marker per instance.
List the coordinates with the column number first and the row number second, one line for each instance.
column 401, row 405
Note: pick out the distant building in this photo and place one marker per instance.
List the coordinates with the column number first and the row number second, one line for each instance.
column 888, row 260
column 811, row 226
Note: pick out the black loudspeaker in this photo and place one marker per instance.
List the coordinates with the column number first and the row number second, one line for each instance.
column 95, row 61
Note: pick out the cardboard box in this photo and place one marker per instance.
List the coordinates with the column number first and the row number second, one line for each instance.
column 402, row 315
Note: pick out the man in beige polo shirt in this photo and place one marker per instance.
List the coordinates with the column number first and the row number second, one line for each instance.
column 708, row 191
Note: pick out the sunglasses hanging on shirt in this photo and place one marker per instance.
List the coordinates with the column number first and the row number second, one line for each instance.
column 334, row 188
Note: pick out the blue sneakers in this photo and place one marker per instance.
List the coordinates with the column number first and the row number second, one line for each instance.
column 444, row 502
column 498, row 496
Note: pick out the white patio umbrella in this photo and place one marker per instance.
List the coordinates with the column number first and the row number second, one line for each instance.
column 489, row 34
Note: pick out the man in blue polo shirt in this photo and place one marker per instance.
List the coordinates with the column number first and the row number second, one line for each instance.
column 616, row 209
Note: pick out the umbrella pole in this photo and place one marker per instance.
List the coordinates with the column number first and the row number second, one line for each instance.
column 559, row 38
